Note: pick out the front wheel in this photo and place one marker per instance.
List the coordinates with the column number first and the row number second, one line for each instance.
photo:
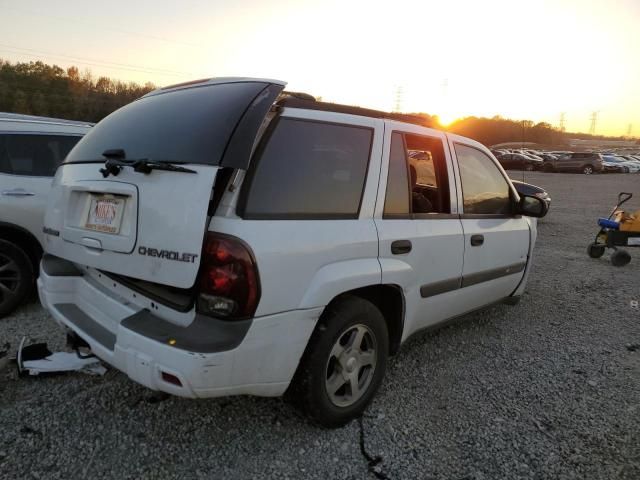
column 16, row 277
column 587, row 169
column 529, row 167
column 344, row 363
column 595, row 250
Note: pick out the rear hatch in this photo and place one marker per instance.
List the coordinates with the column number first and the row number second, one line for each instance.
column 132, row 197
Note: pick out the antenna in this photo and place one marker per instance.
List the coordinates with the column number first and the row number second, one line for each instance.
column 594, row 120
column 562, row 121
column 399, row 94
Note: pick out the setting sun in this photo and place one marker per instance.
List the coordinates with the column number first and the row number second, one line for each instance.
column 446, row 119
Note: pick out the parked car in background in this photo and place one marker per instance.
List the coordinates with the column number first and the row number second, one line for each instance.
column 529, row 189
column 581, row 162
column 612, row 164
column 296, row 267
column 630, row 162
column 519, row 161
column 547, row 157
column 31, row 148
column 616, row 164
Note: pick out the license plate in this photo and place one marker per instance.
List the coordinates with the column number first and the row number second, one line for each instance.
column 633, row 241
column 105, row 214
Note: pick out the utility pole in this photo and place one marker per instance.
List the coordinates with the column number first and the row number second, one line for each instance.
column 629, row 130
column 594, row 120
column 399, row 95
column 562, row 120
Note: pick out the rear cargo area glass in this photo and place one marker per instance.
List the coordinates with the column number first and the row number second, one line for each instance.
column 191, row 125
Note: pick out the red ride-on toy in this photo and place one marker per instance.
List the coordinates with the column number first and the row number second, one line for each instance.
column 620, row 229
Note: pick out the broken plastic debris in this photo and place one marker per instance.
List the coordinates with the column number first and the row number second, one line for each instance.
column 37, row 359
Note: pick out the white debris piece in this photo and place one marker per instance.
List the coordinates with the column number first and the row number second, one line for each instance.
column 37, row 359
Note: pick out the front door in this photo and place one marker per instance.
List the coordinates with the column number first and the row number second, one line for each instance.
column 421, row 239
column 496, row 242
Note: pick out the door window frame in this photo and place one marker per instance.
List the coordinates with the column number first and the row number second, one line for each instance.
column 404, row 129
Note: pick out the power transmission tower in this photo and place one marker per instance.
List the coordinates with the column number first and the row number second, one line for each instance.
column 562, row 120
column 398, row 103
column 594, row 120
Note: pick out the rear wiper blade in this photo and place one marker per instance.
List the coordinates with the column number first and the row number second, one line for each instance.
column 112, row 166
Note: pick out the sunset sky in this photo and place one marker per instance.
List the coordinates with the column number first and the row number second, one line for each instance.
column 522, row 59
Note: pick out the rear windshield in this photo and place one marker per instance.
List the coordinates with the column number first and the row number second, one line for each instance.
column 191, row 125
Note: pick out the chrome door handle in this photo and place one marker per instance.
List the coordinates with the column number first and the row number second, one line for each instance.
column 18, row 192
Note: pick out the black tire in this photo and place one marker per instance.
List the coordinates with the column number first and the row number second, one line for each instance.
column 595, row 250
column 308, row 390
column 16, row 277
column 620, row 258
column 587, row 169
column 548, row 167
column 528, row 167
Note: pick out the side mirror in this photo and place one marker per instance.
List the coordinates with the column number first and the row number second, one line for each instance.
column 531, row 206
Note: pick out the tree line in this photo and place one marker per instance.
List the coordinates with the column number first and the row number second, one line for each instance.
column 492, row 131
column 35, row 88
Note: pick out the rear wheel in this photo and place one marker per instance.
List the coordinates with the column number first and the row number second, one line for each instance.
column 528, row 167
column 344, row 363
column 16, row 277
column 620, row 258
column 595, row 250
column 587, row 169
column 548, row 167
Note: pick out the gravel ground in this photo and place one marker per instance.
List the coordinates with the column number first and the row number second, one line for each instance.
column 549, row 388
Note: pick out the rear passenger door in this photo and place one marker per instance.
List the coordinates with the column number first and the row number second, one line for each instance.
column 27, row 165
column 421, row 239
column 496, row 241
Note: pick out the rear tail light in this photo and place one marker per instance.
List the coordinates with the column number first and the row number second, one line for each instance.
column 229, row 285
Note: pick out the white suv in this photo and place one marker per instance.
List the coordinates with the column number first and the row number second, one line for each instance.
column 222, row 237
column 31, row 148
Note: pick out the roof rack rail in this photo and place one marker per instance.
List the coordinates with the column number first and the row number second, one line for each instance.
column 306, row 101
column 19, row 117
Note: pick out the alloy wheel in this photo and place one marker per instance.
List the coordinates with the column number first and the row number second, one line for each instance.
column 351, row 365
column 9, row 278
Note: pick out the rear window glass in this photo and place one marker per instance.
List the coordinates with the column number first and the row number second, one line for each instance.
column 34, row 155
column 309, row 169
column 192, row 125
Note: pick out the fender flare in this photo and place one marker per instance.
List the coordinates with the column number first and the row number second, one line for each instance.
column 335, row 278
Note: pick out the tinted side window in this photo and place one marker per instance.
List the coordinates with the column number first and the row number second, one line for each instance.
column 34, row 155
column 396, row 200
column 308, row 169
column 484, row 189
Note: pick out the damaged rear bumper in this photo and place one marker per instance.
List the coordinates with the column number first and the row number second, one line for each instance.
column 201, row 357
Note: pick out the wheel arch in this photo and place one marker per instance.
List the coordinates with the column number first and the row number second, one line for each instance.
column 389, row 299
column 24, row 240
